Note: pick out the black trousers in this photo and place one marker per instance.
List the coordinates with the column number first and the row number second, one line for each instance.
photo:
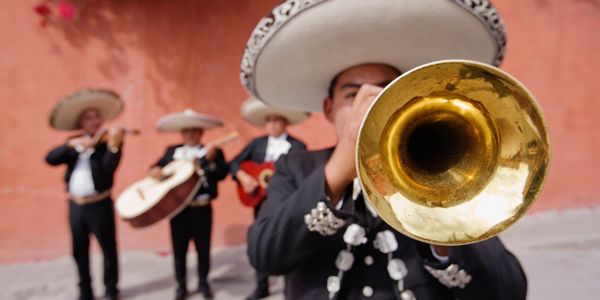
column 192, row 223
column 98, row 219
column 262, row 279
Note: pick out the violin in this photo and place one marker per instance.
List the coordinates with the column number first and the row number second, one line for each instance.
column 102, row 136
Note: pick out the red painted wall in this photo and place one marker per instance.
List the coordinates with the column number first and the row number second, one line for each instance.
column 164, row 56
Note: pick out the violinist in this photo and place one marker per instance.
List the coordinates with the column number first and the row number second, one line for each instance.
column 92, row 158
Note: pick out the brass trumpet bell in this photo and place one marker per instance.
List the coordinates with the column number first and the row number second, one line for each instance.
column 453, row 152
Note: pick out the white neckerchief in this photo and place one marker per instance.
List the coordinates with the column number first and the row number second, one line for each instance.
column 81, row 183
column 186, row 152
column 277, row 146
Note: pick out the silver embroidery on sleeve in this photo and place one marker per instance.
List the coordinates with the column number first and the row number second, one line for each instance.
column 322, row 220
column 453, row 276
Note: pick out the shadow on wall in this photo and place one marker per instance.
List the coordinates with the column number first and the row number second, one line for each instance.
column 183, row 45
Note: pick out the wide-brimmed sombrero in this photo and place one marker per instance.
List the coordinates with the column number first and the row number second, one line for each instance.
column 65, row 114
column 256, row 111
column 185, row 120
column 295, row 51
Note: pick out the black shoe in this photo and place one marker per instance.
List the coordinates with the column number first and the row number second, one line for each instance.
column 258, row 294
column 86, row 294
column 181, row 294
column 112, row 296
column 205, row 291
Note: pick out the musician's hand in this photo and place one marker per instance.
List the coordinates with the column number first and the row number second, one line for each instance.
column 211, row 153
column 156, row 173
column 340, row 169
column 115, row 137
column 249, row 184
column 80, row 143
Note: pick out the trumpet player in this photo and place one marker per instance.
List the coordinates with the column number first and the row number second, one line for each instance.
column 315, row 227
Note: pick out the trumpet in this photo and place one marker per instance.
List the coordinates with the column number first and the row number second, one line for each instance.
column 453, row 152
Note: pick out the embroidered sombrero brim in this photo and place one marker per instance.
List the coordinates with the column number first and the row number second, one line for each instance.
column 186, row 119
column 256, row 112
column 293, row 53
column 65, row 114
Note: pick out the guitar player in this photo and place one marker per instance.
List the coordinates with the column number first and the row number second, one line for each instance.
column 195, row 221
column 267, row 148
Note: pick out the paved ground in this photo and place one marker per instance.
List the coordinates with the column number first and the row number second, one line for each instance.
column 559, row 250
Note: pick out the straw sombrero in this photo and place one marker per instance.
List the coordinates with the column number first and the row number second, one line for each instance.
column 295, row 51
column 185, row 120
column 65, row 114
column 256, row 111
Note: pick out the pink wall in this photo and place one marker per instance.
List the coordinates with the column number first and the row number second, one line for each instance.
column 163, row 57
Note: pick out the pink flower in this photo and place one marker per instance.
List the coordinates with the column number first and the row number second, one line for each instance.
column 66, row 10
column 162, row 253
column 42, row 9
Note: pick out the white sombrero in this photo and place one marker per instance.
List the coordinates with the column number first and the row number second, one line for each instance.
column 65, row 114
column 185, row 120
column 293, row 53
column 256, row 111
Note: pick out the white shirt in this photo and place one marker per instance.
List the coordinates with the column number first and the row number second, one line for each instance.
column 81, row 183
column 277, row 146
column 186, row 152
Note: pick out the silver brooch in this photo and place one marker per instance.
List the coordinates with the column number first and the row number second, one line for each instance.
column 451, row 277
column 386, row 242
column 322, row 220
column 355, row 235
column 397, row 269
column 407, row 295
column 333, row 284
column 344, row 260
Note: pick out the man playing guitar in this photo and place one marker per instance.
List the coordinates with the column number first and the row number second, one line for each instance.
column 265, row 149
column 195, row 221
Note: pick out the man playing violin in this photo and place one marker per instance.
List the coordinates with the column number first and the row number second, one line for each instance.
column 92, row 159
column 263, row 149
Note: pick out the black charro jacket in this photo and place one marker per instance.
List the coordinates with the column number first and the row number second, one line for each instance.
column 280, row 243
column 104, row 163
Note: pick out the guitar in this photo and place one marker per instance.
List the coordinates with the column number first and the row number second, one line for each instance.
column 261, row 172
column 150, row 200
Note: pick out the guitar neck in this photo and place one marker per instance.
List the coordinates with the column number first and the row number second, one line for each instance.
column 232, row 136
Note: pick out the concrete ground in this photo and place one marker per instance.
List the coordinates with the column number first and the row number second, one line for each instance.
column 560, row 251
